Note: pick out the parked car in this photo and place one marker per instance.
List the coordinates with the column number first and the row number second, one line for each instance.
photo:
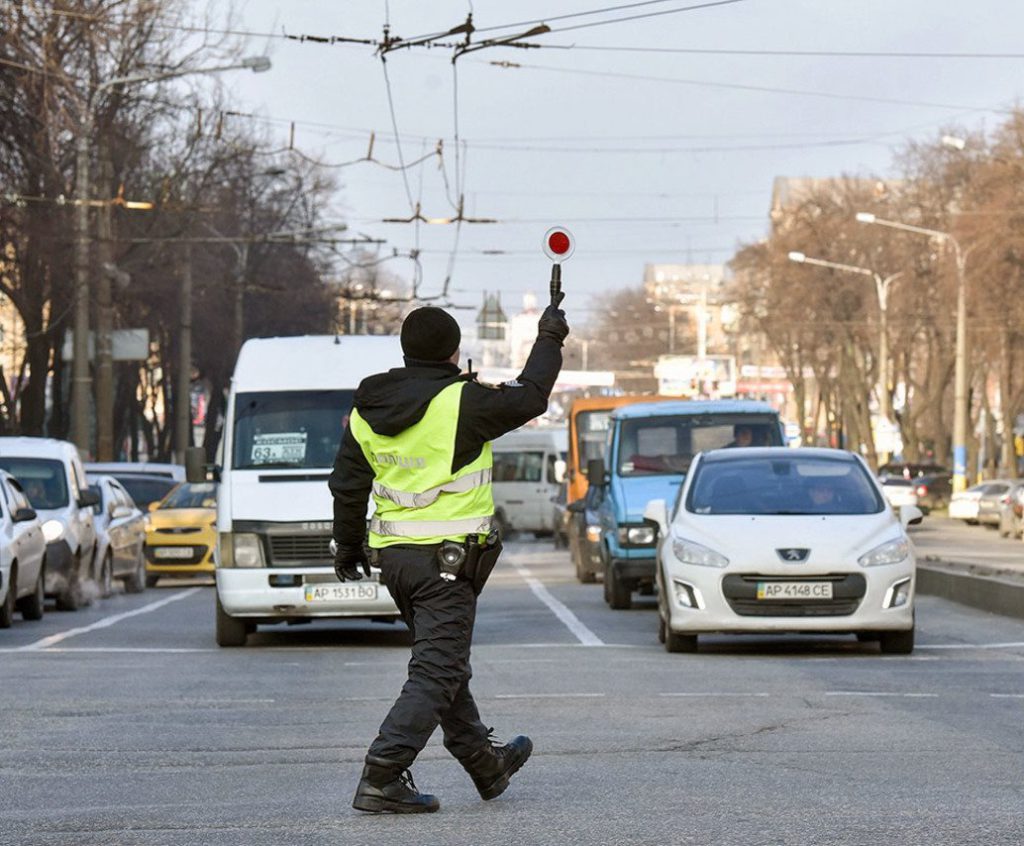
column 120, row 534
column 1011, row 512
column 966, row 505
column 990, row 504
column 181, row 532
column 52, row 477
column 22, row 555
column 144, row 489
column 765, row 540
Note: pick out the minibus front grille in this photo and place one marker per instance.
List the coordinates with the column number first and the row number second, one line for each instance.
column 291, row 549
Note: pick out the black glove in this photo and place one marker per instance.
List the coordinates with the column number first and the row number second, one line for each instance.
column 347, row 561
column 553, row 324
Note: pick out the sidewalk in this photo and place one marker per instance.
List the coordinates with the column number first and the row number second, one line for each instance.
column 971, row 565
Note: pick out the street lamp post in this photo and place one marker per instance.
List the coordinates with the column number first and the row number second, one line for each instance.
column 882, row 290
column 960, row 409
column 81, row 378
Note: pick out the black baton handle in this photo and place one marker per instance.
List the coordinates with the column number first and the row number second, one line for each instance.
column 556, row 284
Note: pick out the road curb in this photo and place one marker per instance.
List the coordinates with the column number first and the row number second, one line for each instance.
column 953, row 581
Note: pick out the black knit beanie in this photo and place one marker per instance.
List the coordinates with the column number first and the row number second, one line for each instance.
column 430, row 334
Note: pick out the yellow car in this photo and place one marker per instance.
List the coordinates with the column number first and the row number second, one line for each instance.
column 181, row 533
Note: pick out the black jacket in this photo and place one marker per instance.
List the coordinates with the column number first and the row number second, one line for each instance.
column 392, row 402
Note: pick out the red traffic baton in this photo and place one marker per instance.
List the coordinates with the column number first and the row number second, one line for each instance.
column 558, row 246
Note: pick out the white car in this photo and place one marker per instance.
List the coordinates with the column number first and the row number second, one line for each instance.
column 120, row 536
column 22, row 555
column 765, row 540
column 50, row 472
column 899, row 491
column 965, row 504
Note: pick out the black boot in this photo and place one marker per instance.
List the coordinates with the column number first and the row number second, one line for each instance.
column 492, row 767
column 386, row 786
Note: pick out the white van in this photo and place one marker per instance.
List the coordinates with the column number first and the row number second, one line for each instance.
column 289, row 401
column 529, row 467
column 52, row 477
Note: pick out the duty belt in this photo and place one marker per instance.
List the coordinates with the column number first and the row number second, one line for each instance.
column 429, row 497
column 432, row 528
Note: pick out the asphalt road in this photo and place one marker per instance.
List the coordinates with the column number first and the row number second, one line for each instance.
column 124, row 724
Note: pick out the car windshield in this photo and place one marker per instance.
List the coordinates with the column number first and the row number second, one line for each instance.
column 667, row 444
column 144, row 491
column 783, row 485
column 591, row 435
column 198, row 495
column 289, row 429
column 42, row 479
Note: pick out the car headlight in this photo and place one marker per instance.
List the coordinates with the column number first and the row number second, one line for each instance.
column 890, row 552
column 594, row 534
column 689, row 552
column 53, row 530
column 240, row 550
column 637, row 535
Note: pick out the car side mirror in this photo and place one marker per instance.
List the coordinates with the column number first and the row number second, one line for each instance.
column 656, row 513
column 577, row 506
column 23, row 515
column 87, row 499
column 559, row 470
column 596, row 474
column 910, row 515
column 195, row 464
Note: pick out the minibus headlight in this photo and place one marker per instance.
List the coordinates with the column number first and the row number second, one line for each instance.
column 241, row 549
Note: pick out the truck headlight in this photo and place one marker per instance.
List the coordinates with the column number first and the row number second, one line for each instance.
column 689, row 552
column 240, row 550
column 890, row 552
column 637, row 535
column 53, row 530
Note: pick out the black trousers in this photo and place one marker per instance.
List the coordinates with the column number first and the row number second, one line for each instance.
column 440, row 615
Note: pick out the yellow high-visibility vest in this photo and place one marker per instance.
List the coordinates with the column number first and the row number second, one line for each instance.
column 417, row 497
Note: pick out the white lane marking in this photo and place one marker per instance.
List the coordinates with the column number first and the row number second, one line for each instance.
column 1014, row 645
column 106, row 621
column 880, row 693
column 1007, row 695
column 549, row 696
column 61, row 650
column 584, row 635
column 736, row 695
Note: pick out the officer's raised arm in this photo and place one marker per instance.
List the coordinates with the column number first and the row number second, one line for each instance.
column 488, row 413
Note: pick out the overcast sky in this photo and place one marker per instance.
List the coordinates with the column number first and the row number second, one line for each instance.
column 613, row 144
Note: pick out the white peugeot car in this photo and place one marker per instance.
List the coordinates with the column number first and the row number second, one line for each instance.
column 765, row 540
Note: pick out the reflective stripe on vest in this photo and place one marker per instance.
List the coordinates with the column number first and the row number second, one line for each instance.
column 422, row 500
column 424, row 528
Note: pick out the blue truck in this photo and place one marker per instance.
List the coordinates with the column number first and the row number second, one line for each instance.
column 650, row 447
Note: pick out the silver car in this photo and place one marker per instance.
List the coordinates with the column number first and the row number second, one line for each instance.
column 22, row 554
column 120, row 535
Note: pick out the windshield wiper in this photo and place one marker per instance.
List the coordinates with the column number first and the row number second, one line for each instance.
column 789, row 513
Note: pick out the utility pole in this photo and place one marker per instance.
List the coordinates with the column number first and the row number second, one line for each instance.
column 104, row 353
column 81, row 380
column 183, row 390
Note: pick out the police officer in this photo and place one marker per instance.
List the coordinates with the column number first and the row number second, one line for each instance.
column 418, row 439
